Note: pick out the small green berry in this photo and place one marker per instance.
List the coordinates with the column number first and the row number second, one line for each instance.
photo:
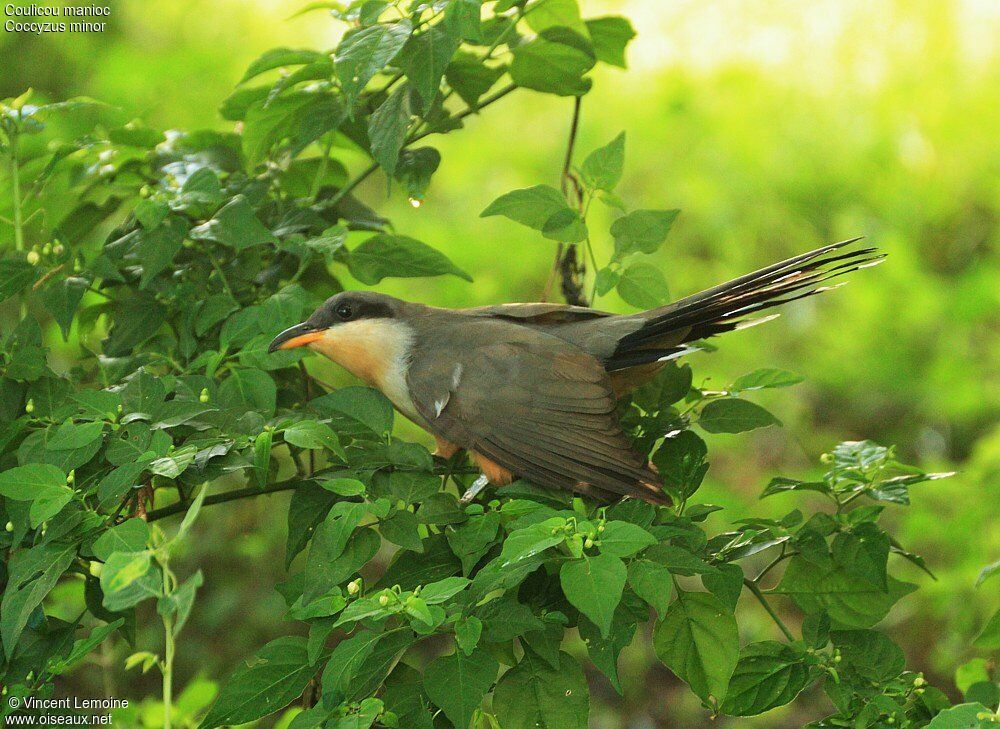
column 58, row 249
column 29, row 407
column 33, row 257
column 203, row 397
column 71, row 476
column 10, row 526
column 919, row 691
column 600, row 528
column 919, row 681
column 354, row 587
column 47, row 249
column 837, row 658
column 826, row 458
column 383, row 600
column 588, row 543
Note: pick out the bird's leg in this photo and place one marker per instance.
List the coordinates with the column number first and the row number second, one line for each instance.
column 478, row 485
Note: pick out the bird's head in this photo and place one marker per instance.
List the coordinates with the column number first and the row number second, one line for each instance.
column 347, row 315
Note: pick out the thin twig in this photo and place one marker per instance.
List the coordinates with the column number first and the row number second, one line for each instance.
column 755, row 589
column 244, row 493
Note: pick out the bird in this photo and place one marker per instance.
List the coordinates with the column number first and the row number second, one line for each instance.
column 530, row 390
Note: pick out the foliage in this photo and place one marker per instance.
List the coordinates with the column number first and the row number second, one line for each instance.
column 176, row 257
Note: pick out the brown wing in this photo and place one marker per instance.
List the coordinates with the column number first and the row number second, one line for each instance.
column 531, row 403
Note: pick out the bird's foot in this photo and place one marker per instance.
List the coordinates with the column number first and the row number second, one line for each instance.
column 478, row 485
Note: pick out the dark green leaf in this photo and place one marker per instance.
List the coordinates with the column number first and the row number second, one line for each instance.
column 698, row 641
column 359, row 664
column 385, row 255
column 554, row 63
column 363, row 52
column 237, row 226
column 457, row 683
column 534, row 695
column 594, row 585
column 387, row 128
column 769, row 674
column 732, row 415
column 15, row 276
column 276, row 677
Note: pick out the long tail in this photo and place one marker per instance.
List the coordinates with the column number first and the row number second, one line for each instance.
column 667, row 331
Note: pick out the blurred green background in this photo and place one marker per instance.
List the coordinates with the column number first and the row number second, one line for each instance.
column 776, row 126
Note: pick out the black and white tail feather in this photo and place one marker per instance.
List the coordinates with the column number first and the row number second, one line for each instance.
column 727, row 307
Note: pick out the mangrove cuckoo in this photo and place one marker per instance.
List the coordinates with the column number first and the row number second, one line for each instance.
column 530, row 390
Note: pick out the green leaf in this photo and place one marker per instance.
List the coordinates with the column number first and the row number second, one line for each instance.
column 31, row 575
column 869, row 654
column 279, row 58
column 989, row 637
column 156, row 248
column 698, row 640
column 442, row 590
column 262, row 457
column 593, row 585
column 768, row 675
column 604, row 652
column 385, row 255
column 523, row 544
column 322, row 574
column 43, row 485
column 651, row 581
column 546, row 14
column 387, row 128
column 236, row 225
column 249, row 388
column 470, row 78
column 765, row 378
column 680, row 461
column 61, row 299
column 471, row 540
column 610, row 36
column 425, row 58
column 962, row 716
column 602, row 169
column 136, row 319
column 124, row 568
column 534, row 695
column 277, row 675
column 726, row 584
column 131, row 535
column 554, row 63
column 413, row 488
column 643, row 286
column 732, row 415
column 622, row 539
column 530, row 206
column 641, row 231
column 15, row 276
column 403, row 528
column 505, row 619
column 24, row 483
column 851, row 599
column 365, row 405
column 359, row 664
column 313, row 435
column 468, row 631
column 363, row 52
column 69, row 436
column 458, row 682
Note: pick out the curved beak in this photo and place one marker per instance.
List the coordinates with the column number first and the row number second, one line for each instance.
column 296, row 336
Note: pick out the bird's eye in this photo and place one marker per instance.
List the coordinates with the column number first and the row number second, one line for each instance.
column 345, row 312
